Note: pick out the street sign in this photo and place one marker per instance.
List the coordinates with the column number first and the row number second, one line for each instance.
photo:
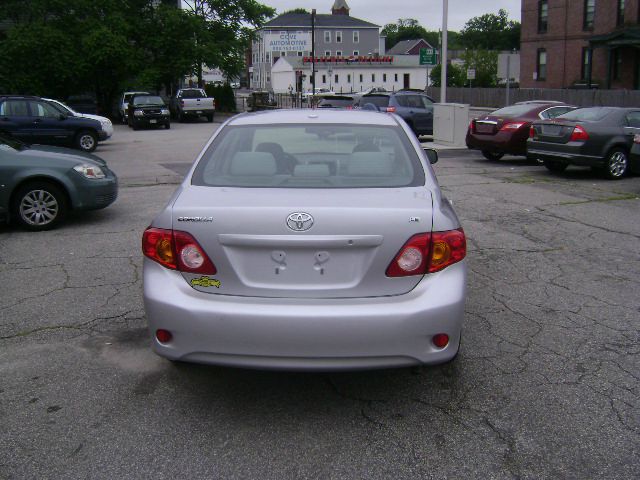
column 471, row 74
column 428, row 56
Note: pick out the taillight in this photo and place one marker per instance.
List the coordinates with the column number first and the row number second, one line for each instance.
column 532, row 132
column 579, row 134
column 391, row 109
column 636, row 138
column 472, row 126
column 176, row 250
column 428, row 253
column 511, row 126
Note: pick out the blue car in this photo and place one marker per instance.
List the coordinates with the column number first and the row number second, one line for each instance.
column 34, row 120
column 39, row 185
column 414, row 107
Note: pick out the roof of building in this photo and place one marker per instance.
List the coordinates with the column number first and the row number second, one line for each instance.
column 322, row 21
column 403, row 46
column 338, row 4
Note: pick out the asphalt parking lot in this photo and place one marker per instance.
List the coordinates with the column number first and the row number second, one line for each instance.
column 547, row 383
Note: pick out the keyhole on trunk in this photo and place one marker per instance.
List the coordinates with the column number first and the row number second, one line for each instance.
column 279, row 257
column 320, row 258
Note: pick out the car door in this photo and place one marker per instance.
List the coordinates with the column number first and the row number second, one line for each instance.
column 415, row 110
column 632, row 126
column 15, row 119
column 48, row 125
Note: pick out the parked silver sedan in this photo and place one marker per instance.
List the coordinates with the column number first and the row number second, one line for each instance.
column 307, row 239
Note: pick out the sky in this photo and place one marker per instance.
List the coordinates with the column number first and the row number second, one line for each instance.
column 427, row 12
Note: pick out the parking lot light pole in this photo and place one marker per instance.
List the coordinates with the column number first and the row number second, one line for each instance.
column 313, row 51
column 443, row 56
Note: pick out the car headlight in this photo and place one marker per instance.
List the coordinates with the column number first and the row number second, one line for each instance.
column 164, row 111
column 138, row 113
column 106, row 123
column 89, row 171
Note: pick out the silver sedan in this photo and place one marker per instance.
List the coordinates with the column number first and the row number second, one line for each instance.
column 307, row 239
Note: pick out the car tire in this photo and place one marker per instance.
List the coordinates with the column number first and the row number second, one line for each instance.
column 134, row 125
column 180, row 117
column 617, row 164
column 489, row 155
column 86, row 140
column 210, row 118
column 167, row 126
column 554, row 166
column 39, row 205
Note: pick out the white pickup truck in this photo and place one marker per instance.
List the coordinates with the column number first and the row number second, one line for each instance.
column 192, row 102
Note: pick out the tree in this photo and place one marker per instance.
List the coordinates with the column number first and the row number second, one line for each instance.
column 491, row 32
column 297, row 10
column 485, row 63
column 226, row 33
column 456, row 76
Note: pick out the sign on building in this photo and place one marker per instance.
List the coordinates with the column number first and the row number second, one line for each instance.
column 288, row 42
column 428, row 56
column 509, row 66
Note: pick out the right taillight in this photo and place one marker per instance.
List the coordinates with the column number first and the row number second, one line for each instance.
column 636, row 138
column 579, row 134
column 428, row 253
column 391, row 109
column 472, row 126
column 532, row 132
column 176, row 250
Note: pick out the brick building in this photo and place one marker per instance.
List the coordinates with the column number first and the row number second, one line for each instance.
column 580, row 43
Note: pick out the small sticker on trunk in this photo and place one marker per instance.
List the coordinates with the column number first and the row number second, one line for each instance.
column 205, row 282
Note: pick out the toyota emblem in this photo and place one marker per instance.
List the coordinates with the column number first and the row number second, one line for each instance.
column 299, row 221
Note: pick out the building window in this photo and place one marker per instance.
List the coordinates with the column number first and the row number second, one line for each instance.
column 348, row 78
column 356, row 53
column 360, row 78
column 338, row 37
column 543, row 15
column 283, row 54
column 338, row 53
column 620, row 12
column 327, row 53
column 356, row 36
column 541, row 64
column 589, row 13
column 373, row 77
column 327, row 36
column 299, row 54
column 335, row 78
column 395, row 77
column 324, row 79
column 384, row 77
column 585, row 63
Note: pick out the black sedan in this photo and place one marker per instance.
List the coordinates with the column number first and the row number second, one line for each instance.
column 597, row 137
column 40, row 184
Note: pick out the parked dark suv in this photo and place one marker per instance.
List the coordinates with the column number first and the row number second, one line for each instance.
column 415, row 108
column 34, row 120
column 147, row 111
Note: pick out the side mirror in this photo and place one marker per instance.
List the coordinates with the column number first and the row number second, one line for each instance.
column 62, row 116
column 432, row 155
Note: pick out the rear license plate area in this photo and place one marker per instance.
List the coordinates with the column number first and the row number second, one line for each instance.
column 551, row 129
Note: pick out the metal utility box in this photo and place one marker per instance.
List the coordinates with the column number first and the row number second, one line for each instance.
column 450, row 122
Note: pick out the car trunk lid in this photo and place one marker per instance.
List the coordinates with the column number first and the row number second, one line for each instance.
column 553, row 131
column 260, row 249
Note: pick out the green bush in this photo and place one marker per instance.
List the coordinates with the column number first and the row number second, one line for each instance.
column 223, row 95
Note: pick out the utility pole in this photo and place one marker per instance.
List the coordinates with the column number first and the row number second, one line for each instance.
column 313, row 52
column 443, row 57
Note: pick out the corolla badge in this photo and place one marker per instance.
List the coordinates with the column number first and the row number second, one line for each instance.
column 299, row 221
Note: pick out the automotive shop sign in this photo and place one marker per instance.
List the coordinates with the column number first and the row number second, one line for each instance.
column 288, row 42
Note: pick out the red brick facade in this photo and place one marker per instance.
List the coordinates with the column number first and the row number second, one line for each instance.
column 613, row 65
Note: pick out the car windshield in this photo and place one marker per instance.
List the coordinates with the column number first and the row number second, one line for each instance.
column 192, row 94
column 148, row 100
column 313, row 156
column 514, row 110
column 594, row 114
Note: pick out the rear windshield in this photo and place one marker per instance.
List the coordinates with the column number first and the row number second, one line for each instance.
column 377, row 100
column 594, row 114
column 192, row 94
column 150, row 100
column 414, row 101
column 336, row 102
column 312, row 156
column 514, row 110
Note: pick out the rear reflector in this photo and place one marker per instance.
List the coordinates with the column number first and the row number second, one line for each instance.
column 428, row 253
column 163, row 336
column 579, row 134
column 176, row 250
column 440, row 340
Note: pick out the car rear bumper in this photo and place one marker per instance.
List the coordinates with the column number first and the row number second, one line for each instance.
column 198, row 112
column 307, row 334
column 570, row 153
column 501, row 142
column 151, row 121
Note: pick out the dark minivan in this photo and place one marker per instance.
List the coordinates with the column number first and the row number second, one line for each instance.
column 34, row 120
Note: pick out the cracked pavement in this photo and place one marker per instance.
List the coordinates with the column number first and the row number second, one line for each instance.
column 546, row 384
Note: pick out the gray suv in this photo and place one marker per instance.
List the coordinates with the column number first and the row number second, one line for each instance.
column 415, row 108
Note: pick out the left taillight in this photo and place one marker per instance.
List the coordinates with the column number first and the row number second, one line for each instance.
column 176, row 250
column 428, row 253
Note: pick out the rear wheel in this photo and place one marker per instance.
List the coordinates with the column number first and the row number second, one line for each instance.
column 86, row 141
column 617, row 164
column 180, row 117
column 39, row 205
column 489, row 155
column 554, row 166
column 210, row 117
column 167, row 125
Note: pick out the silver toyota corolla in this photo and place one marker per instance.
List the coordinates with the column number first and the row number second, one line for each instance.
column 307, row 239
